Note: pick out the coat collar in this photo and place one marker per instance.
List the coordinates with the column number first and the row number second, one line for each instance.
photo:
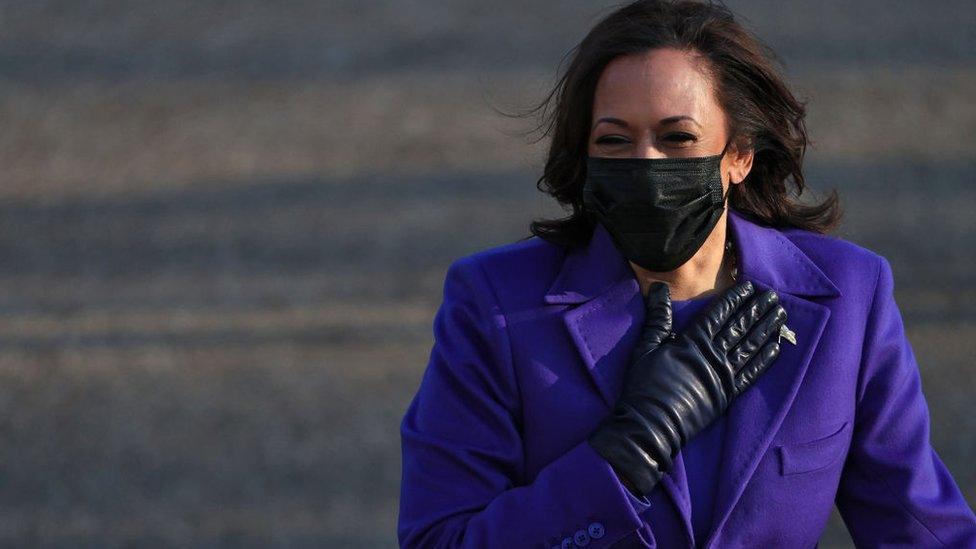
column 606, row 313
column 765, row 255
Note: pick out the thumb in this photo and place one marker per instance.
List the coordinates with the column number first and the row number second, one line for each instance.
column 657, row 319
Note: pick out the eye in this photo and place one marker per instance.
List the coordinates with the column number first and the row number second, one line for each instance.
column 611, row 140
column 679, row 137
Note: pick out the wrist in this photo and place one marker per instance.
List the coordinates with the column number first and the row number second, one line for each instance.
column 630, row 464
column 625, row 482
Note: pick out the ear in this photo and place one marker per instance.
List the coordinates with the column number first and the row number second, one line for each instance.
column 738, row 162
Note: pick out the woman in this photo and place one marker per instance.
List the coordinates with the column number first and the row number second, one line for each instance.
column 688, row 360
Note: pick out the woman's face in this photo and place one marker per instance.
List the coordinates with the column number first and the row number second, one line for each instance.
column 660, row 104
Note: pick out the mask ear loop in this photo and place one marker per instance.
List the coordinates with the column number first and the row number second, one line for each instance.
column 727, row 191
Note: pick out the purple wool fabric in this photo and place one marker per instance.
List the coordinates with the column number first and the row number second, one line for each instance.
column 699, row 454
column 530, row 347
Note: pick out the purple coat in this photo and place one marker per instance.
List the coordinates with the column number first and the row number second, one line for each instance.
column 530, row 348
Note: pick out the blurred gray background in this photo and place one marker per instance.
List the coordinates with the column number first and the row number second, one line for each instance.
column 225, row 227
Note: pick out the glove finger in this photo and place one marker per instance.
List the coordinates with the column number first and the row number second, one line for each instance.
column 745, row 318
column 657, row 319
column 719, row 312
column 767, row 328
column 759, row 364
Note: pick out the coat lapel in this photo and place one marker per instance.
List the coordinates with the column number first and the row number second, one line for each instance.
column 770, row 260
column 605, row 326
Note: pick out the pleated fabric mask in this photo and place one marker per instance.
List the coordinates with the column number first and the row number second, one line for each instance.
column 659, row 211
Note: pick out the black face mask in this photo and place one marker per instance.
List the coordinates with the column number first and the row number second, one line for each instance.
column 659, row 211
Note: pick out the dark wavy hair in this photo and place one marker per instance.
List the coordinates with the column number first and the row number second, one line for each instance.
column 763, row 114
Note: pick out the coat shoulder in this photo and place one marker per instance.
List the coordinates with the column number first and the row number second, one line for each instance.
column 519, row 272
column 849, row 265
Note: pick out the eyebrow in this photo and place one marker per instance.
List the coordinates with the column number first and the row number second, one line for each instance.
column 663, row 121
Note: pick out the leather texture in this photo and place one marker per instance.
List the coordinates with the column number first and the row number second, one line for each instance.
column 677, row 384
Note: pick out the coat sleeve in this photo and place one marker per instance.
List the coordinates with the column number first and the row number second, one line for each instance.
column 895, row 490
column 462, row 468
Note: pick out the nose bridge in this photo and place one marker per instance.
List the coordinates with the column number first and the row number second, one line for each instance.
column 646, row 146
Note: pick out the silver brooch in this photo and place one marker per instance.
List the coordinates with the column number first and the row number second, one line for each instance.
column 787, row 333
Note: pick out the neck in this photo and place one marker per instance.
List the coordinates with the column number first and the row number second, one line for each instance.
column 706, row 272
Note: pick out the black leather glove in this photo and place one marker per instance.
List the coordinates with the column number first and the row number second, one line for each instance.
column 679, row 383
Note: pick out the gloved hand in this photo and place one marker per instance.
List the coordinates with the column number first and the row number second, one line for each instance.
column 679, row 383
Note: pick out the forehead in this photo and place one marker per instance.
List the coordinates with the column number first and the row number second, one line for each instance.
column 658, row 83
